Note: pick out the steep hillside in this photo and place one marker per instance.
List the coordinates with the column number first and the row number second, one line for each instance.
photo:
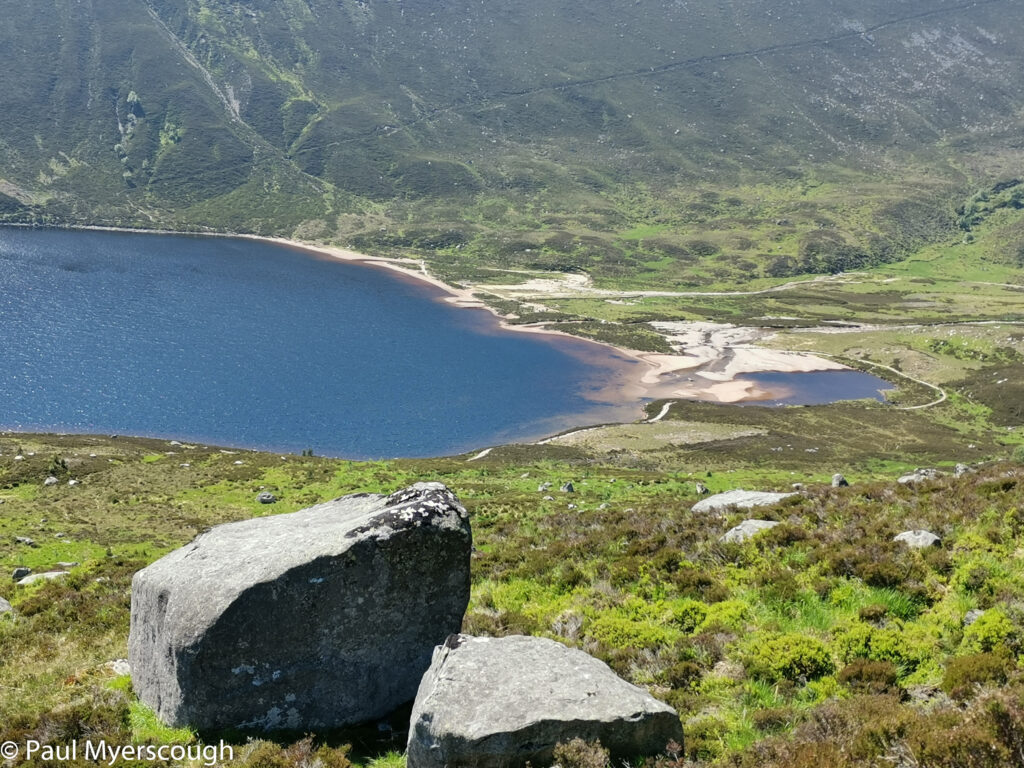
column 461, row 130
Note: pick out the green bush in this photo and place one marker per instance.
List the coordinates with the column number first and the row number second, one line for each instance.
column 993, row 630
column 792, row 656
column 689, row 614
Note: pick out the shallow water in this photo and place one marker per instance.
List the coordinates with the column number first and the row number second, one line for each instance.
column 817, row 387
column 244, row 343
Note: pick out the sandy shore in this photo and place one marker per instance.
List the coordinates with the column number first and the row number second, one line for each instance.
column 710, row 359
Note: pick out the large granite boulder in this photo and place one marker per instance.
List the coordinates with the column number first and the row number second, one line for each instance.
column 503, row 702
column 306, row 621
column 740, row 499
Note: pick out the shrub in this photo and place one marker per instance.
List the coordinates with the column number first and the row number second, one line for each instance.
column 864, row 676
column 683, row 674
column 581, row 754
column 793, row 657
column 873, row 614
column 728, row 615
column 993, row 630
column 773, row 720
column 966, row 673
column 689, row 614
column 621, row 632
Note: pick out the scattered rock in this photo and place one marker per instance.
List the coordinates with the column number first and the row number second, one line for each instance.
column 547, row 498
column 48, row 576
column 26, row 541
column 67, row 566
column 961, row 469
column 72, row 482
column 20, row 573
column 266, row 497
column 972, row 616
column 524, row 475
column 5, row 607
column 747, row 529
column 51, row 480
column 497, row 702
column 919, row 476
column 740, row 499
column 838, row 481
column 702, row 490
column 797, row 486
column 571, row 506
column 306, row 621
column 239, row 463
column 543, row 487
column 568, row 488
column 918, row 539
column 119, row 667
column 602, row 506
column 19, row 457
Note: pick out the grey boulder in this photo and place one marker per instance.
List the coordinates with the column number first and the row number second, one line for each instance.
column 48, row 576
column 918, row 539
column 747, row 529
column 503, row 702
column 20, row 573
column 307, row 621
column 838, row 481
column 740, row 499
column 266, row 497
column 5, row 607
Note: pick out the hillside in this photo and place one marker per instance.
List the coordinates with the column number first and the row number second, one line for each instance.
column 820, row 642
column 729, row 139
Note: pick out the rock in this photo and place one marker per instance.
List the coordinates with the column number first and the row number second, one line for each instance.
column 838, row 481
column 25, row 540
column 603, row 506
column 119, row 667
column 702, row 490
column 67, row 566
column 543, row 487
column 20, row 573
column 961, row 469
column 797, row 486
column 51, row 480
column 919, row 476
column 547, row 498
column 972, row 616
column 747, row 529
column 497, row 702
column 918, row 539
column 739, row 499
column 568, row 488
column 72, row 482
column 48, row 576
column 266, row 497
column 5, row 607
column 307, row 621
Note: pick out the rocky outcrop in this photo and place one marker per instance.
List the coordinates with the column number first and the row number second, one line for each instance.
column 919, row 476
column 746, row 529
column 918, row 539
column 503, row 702
column 307, row 621
column 740, row 499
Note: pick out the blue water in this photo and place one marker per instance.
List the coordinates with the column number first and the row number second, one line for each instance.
column 817, row 387
column 243, row 343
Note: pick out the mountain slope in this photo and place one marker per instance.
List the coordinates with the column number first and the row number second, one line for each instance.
column 397, row 125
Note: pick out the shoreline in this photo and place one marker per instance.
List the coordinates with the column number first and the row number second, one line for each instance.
column 710, row 353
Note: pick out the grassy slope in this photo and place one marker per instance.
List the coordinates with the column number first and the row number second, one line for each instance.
column 629, row 575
